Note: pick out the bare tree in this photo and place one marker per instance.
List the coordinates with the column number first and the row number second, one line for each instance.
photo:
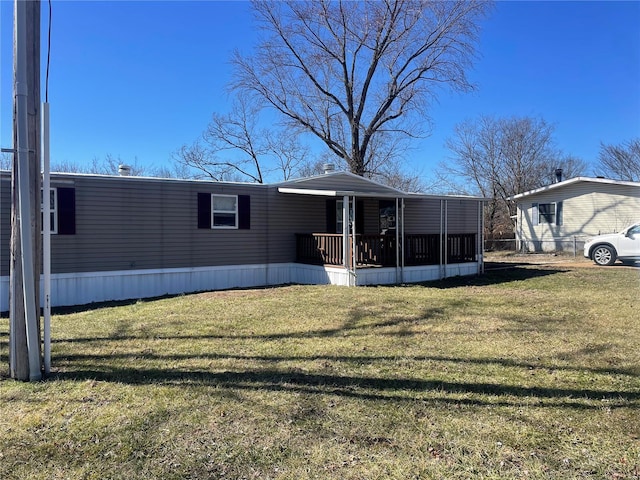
column 6, row 161
column 620, row 162
column 352, row 72
column 109, row 165
column 234, row 147
column 174, row 170
column 501, row 157
column 571, row 167
column 290, row 155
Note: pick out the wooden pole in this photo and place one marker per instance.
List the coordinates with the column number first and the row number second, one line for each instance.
column 21, row 367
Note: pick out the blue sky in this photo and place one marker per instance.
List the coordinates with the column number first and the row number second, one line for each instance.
column 137, row 80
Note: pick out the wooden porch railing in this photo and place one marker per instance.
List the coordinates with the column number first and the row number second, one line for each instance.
column 380, row 250
column 461, row 248
column 319, row 248
column 421, row 249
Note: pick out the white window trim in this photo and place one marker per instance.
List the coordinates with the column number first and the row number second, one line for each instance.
column 53, row 211
column 214, row 211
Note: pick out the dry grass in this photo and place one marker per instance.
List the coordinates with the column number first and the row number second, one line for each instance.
column 526, row 373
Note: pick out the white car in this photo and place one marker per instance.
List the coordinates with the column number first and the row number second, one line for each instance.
column 625, row 246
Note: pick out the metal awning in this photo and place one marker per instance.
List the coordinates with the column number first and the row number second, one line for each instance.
column 341, row 193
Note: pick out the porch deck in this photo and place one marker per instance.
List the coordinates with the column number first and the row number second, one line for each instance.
column 380, row 250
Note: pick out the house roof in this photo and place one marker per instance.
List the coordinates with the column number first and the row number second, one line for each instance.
column 571, row 181
column 333, row 184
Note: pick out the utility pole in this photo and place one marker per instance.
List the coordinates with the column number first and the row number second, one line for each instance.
column 24, row 335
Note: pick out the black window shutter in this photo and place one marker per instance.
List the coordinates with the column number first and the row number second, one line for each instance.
column 331, row 216
column 66, row 211
column 559, row 213
column 204, row 210
column 244, row 212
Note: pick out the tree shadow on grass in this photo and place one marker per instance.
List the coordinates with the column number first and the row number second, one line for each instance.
column 149, row 355
column 368, row 388
column 495, row 277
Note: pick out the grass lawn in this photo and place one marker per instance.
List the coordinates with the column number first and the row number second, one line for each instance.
column 526, row 373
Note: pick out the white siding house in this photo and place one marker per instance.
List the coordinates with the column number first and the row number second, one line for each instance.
column 562, row 216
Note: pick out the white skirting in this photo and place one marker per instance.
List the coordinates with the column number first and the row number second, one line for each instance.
column 83, row 288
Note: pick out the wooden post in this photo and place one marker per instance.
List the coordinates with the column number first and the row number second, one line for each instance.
column 20, row 367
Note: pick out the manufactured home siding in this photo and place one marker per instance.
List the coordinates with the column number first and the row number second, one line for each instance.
column 128, row 223
column 290, row 214
column 462, row 216
column 5, row 224
column 371, row 216
column 423, row 215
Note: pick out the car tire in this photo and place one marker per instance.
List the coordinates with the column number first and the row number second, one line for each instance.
column 603, row 255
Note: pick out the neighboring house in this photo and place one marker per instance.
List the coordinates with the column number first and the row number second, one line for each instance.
column 119, row 237
column 562, row 216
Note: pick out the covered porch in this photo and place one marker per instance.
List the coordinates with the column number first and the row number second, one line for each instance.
column 405, row 238
column 381, row 251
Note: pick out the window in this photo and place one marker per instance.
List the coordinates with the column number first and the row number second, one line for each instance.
column 549, row 213
column 387, row 210
column 53, row 210
column 223, row 211
column 62, row 204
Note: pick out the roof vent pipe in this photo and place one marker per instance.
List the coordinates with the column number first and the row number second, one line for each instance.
column 558, row 173
column 124, row 170
column 328, row 167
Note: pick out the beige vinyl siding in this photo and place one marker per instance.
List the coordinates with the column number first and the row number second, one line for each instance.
column 589, row 208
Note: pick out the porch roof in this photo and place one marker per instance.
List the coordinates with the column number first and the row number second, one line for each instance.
column 339, row 184
column 341, row 193
column 376, row 194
